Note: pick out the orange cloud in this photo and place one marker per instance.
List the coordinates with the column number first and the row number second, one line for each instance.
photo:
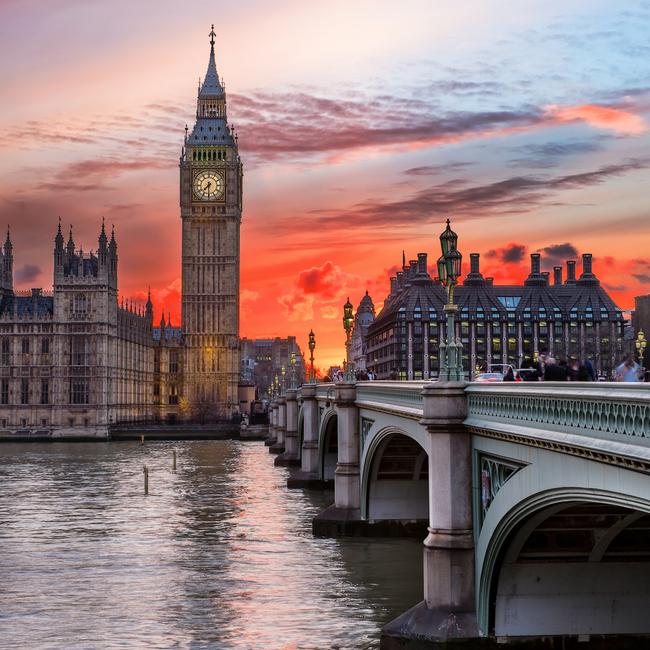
column 601, row 117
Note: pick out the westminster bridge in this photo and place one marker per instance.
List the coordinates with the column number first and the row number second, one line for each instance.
column 534, row 500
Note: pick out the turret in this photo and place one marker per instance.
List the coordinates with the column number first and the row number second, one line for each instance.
column 58, row 250
column 102, row 250
column 112, row 259
column 8, row 264
column 149, row 308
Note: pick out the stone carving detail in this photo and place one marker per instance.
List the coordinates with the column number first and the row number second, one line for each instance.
column 366, row 425
column 598, row 414
column 494, row 472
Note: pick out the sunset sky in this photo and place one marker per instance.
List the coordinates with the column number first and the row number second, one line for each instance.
column 362, row 126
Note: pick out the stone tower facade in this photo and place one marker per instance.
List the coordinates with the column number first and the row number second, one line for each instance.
column 211, row 207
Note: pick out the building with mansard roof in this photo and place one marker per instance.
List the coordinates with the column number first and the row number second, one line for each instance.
column 73, row 362
column 566, row 316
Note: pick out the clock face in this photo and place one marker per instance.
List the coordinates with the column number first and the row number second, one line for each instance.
column 208, row 185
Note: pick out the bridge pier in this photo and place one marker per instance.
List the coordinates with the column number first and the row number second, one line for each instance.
column 280, row 428
column 273, row 421
column 307, row 476
column 448, row 612
column 344, row 517
column 291, row 455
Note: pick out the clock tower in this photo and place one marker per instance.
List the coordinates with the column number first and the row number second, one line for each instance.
column 211, row 206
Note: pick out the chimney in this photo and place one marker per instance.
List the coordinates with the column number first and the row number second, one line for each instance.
column 489, row 282
column 534, row 263
column 474, row 263
column 400, row 280
column 557, row 275
column 413, row 267
column 546, row 275
column 422, row 263
column 393, row 285
column 570, row 272
column 586, row 264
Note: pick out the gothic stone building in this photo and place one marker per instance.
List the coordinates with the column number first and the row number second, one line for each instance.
column 74, row 362
column 497, row 324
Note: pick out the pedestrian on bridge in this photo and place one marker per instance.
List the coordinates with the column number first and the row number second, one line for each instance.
column 629, row 370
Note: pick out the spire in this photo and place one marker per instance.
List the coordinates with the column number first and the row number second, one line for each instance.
column 102, row 236
column 211, row 84
column 8, row 245
column 113, row 244
column 58, row 240
column 70, row 244
column 149, row 306
column 403, row 258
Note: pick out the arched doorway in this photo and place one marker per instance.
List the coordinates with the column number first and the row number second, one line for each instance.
column 574, row 568
column 398, row 481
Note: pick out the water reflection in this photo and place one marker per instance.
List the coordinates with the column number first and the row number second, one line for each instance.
column 219, row 555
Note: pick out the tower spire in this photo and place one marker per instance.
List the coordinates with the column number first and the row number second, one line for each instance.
column 211, row 86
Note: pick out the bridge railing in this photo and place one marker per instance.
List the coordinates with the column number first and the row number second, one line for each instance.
column 397, row 395
column 588, row 414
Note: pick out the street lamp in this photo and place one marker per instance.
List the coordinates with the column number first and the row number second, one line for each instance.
column 292, row 361
column 640, row 343
column 348, row 322
column 449, row 267
column 283, row 372
column 312, row 346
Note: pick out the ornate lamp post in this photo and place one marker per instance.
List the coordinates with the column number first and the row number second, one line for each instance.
column 292, row 362
column 312, row 346
column 449, row 265
column 640, row 343
column 283, row 371
column 348, row 323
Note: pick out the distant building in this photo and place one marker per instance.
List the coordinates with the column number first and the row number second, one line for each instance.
column 641, row 321
column 363, row 317
column 497, row 324
column 262, row 360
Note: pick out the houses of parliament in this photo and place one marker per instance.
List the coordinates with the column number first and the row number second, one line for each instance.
column 77, row 361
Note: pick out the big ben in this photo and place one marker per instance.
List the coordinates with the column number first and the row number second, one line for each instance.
column 211, row 208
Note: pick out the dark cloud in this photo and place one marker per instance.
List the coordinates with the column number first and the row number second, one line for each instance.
column 509, row 254
column 543, row 156
column 91, row 175
column 644, row 278
column 558, row 253
column 27, row 273
column 516, row 195
column 433, row 170
column 300, row 124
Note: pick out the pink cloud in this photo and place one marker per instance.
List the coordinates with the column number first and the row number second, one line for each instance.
column 601, row 117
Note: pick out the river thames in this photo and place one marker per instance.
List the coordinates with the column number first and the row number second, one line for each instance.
column 219, row 554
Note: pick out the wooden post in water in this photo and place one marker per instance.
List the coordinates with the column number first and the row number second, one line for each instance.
column 174, row 460
column 145, row 470
column 142, row 439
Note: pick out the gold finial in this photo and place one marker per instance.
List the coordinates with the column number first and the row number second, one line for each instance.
column 212, row 35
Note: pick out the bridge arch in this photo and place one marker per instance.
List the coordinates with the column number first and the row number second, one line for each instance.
column 394, row 482
column 328, row 445
column 563, row 562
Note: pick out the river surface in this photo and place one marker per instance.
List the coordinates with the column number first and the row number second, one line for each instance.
column 219, row 554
